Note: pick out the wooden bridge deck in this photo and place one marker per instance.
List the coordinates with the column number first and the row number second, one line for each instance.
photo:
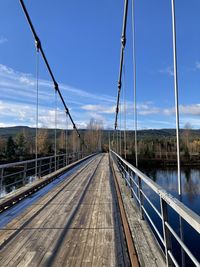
column 77, row 223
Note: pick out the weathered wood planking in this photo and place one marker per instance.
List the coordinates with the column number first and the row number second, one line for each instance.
column 146, row 246
column 93, row 237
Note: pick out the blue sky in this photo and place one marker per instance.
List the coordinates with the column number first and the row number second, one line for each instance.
column 81, row 40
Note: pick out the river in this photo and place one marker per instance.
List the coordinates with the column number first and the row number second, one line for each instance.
column 167, row 179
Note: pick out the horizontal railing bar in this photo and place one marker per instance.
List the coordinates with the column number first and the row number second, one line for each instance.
column 153, row 225
column 14, row 183
column 135, row 195
column 152, row 205
column 192, row 257
column 11, row 174
column 173, row 259
column 7, row 165
column 187, row 214
column 30, row 169
column 45, row 164
column 44, row 171
column 127, row 182
column 134, row 182
column 13, row 164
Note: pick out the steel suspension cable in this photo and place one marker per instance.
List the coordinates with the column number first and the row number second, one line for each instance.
column 37, row 111
column 123, row 44
column 134, row 83
column 176, row 97
column 56, row 87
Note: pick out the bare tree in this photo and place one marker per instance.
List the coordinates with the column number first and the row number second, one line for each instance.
column 186, row 138
column 62, row 141
column 2, row 145
column 93, row 135
column 42, row 142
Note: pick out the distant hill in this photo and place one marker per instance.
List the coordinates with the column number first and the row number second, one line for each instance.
column 5, row 132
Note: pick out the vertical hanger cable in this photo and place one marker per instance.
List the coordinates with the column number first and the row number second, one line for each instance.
column 134, row 84
column 37, row 110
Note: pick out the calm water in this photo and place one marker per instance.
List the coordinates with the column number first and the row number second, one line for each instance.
column 167, row 178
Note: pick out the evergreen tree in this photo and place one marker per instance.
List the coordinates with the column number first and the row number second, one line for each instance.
column 21, row 144
column 10, row 148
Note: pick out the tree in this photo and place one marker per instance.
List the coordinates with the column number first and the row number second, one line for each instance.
column 10, row 148
column 186, row 139
column 75, row 142
column 3, row 145
column 43, row 145
column 62, row 141
column 93, row 136
column 21, row 145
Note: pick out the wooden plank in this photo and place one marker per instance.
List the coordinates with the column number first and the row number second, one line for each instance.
column 91, row 239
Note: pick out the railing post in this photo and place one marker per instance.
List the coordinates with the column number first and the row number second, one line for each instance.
column 140, row 198
column 125, row 174
column 50, row 164
column 55, row 163
column 65, row 159
column 40, row 166
column 166, row 232
column 131, row 182
column 24, row 174
column 1, row 180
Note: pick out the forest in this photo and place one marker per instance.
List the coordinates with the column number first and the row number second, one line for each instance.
column 159, row 146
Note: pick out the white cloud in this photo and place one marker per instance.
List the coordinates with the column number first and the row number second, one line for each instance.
column 18, row 98
column 193, row 109
column 100, row 109
column 3, row 40
column 10, row 78
column 168, row 70
column 197, row 65
column 147, row 109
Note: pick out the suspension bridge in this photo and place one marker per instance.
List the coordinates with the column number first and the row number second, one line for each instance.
column 91, row 208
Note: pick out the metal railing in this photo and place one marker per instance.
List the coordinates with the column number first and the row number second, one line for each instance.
column 16, row 174
column 135, row 179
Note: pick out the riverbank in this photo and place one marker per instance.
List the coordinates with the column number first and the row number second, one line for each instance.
column 164, row 162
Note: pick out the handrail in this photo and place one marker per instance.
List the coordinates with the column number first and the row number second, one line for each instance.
column 10, row 178
column 166, row 200
column 187, row 214
column 7, row 165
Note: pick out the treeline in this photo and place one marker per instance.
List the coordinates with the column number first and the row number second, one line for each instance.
column 22, row 145
column 159, row 147
column 19, row 143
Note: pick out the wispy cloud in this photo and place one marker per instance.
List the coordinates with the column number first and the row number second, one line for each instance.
column 3, row 40
column 100, row 109
column 168, row 70
column 197, row 65
column 18, row 98
column 147, row 109
column 193, row 109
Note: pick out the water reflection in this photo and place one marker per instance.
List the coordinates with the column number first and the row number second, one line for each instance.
column 167, row 178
